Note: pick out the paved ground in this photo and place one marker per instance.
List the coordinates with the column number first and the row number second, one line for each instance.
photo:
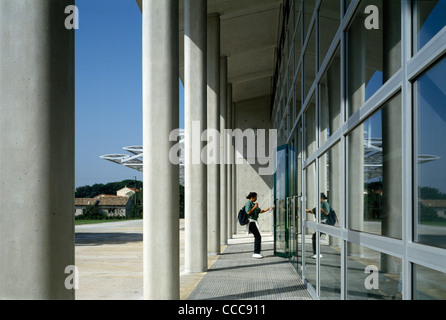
column 237, row 276
column 109, row 260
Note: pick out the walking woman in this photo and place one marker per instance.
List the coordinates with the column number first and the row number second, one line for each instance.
column 253, row 211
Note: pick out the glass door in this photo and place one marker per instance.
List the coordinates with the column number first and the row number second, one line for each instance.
column 293, row 225
column 280, row 196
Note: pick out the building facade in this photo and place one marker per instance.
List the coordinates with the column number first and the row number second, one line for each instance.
column 111, row 206
column 353, row 89
column 359, row 109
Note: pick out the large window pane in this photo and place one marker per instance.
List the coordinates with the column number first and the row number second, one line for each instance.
column 298, row 93
column 372, row 275
column 330, row 179
column 373, row 55
column 330, row 92
column 347, row 4
column 310, row 261
column 330, row 268
column 428, row 284
column 308, row 10
column 299, row 200
column 297, row 13
column 311, row 191
column 329, row 20
column 374, row 173
column 310, row 64
column 298, row 42
column 430, row 97
column 430, row 17
column 310, row 128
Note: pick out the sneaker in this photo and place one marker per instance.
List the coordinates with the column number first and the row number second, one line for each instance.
column 314, row 256
column 257, row 256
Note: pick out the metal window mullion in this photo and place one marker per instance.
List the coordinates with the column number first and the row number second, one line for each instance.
column 304, row 197
column 343, row 150
column 407, row 151
column 428, row 55
column 374, row 103
column 348, row 17
column 318, row 188
column 427, row 256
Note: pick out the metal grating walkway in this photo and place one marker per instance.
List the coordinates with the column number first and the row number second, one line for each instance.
column 237, row 276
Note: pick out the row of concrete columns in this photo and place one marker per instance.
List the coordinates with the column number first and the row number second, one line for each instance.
column 37, row 147
column 208, row 106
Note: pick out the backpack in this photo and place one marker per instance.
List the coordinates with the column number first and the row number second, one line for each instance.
column 243, row 217
column 332, row 218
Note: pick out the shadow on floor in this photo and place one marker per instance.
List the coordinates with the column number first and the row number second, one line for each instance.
column 100, row 238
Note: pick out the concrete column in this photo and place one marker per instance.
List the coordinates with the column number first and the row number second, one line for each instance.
column 236, row 202
column 213, row 122
column 230, row 160
column 224, row 204
column 195, row 116
column 36, row 150
column 161, row 177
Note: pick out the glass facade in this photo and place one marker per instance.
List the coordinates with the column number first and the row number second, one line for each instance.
column 430, row 97
column 359, row 109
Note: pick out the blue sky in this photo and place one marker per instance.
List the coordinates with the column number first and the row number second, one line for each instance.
column 108, row 88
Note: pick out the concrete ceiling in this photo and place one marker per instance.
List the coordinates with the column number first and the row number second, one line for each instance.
column 249, row 30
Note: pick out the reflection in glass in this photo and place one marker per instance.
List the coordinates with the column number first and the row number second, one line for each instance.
column 297, row 12
column 294, row 234
column 299, row 157
column 373, row 55
column 372, row 275
column 310, row 64
column 330, row 103
column 280, row 196
column 347, row 3
column 298, row 93
column 308, row 9
column 329, row 20
column 374, row 173
column 430, row 17
column 312, row 198
column 330, row 268
column 298, row 42
column 330, row 178
column 430, row 97
column 310, row 263
column 428, row 284
column 311, row 129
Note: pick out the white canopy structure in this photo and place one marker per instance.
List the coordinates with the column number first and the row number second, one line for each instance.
column 134, row 160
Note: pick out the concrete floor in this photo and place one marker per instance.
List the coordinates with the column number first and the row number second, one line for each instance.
column 109, row 259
